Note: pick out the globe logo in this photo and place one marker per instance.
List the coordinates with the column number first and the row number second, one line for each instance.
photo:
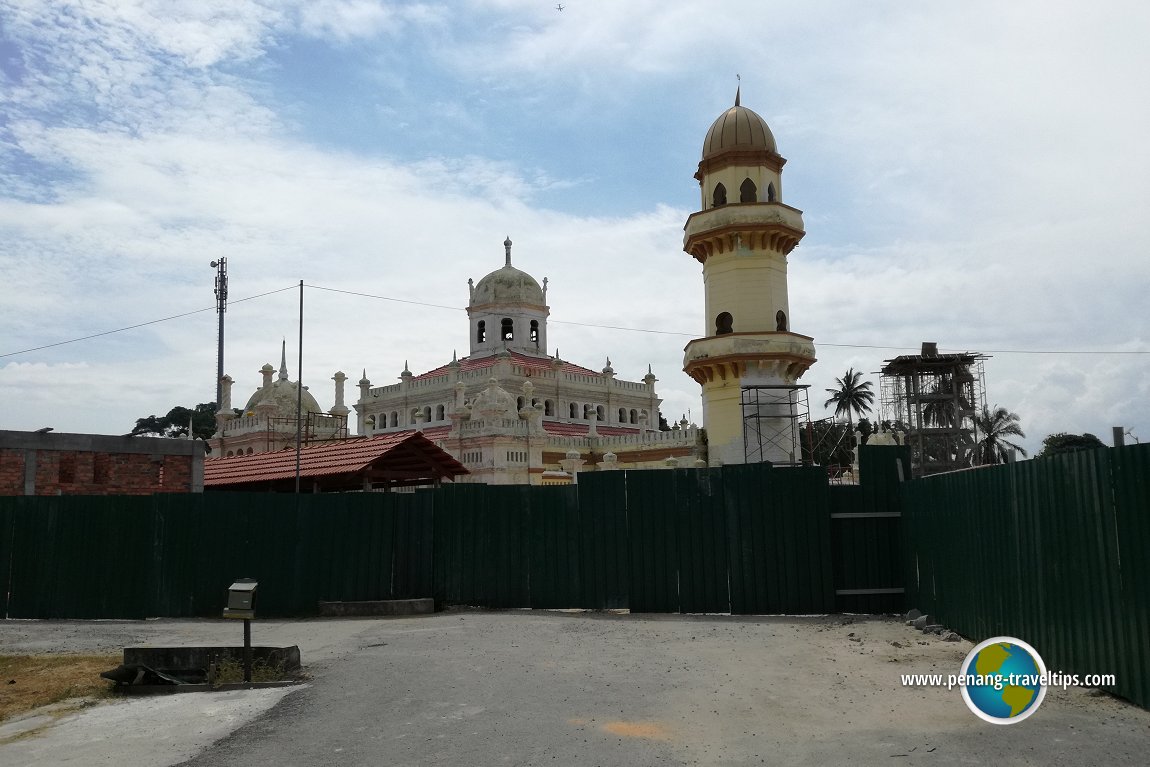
column 1005, row 680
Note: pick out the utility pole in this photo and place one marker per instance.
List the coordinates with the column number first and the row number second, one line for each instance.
column 221, row 268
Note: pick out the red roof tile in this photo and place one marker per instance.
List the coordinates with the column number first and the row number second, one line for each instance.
column 580, row 429
column 407, row 452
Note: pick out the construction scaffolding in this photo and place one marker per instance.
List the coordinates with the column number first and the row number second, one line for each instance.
column 931, row 400
column 773, row 419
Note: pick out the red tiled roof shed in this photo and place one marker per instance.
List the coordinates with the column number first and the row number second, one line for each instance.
column 405, row 458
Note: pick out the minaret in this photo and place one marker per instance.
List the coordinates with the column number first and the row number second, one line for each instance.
column 748, row 361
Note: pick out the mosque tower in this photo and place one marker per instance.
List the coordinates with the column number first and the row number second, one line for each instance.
column 749, row 361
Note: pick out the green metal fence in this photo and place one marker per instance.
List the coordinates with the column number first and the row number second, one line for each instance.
column 741, row 539
column 1052, row 551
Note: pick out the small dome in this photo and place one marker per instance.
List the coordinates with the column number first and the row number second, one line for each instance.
column 738, row 128
column 283, row 394
column 493, row 402
column 508, row 286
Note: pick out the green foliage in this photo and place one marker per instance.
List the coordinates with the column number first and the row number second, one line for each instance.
column 851, row 395
column 175, row 423
column 865, row 428
column 827, row 443
column 993, row 427
column 1068, row 443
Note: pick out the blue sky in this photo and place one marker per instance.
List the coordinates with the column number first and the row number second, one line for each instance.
column 975, row 175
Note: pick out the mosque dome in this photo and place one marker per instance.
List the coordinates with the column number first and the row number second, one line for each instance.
column 493, row 402
column 283, row 394
column 738, row 128
column 507, row 285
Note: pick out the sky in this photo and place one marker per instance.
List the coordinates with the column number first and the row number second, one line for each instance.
column 972, row 174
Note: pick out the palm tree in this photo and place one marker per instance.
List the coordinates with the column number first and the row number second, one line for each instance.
column 994, row 426
column 851, row 396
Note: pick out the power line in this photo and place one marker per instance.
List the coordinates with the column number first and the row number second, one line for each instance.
column 557, row 322
column 141, row 324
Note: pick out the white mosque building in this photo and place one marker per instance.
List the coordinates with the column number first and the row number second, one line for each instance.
column 513, row 413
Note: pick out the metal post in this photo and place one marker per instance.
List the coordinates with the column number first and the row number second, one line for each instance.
column 1119, row 436
column 247, row 651
column 221, row 267
column 299, row 391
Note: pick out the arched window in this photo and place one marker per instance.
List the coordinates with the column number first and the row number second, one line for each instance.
column 634, row 416
column 548, row 407
column 720, row 196
column 535, row 332
column 574, row 410
column 519, row 403
column 394, row 418
column 724, row 323
column 622, row 415
column 249, row 451
column 439, row 412
column 481, row 332
column 748, row 192
column 412, row 416
column 600, row 413
column 780, row 320
column 427, row 414
column 644, row 416
column 508, row 329
column 230, row 454
column 771, row 193
column 587, row 411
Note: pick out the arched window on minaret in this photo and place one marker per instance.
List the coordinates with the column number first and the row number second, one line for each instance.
column 574, row 410
column 622, row 415
column 771, row 193
column 748, row 192
column 720, row 196
column 535, row 332
column 508, row 329
column 780, row 320
column 724, row 323
column 548, row 407
column 439, row 412
column 481, row 332
column 427, row 414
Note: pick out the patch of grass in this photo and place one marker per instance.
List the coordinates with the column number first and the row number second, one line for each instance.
column 232, row 672
column 31, row 681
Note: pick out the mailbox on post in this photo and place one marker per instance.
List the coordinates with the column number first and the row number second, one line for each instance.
column 241, row 604
column 241, row 599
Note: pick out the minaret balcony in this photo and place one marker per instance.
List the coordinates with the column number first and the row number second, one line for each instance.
column 769, row 226
column 731, row 355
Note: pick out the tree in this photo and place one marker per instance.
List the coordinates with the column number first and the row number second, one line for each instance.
column 941, row 411
column 993, row 427
column 852, row 395
column 1062, row 442
column 175, row 423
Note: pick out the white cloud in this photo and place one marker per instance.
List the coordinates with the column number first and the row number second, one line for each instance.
column 972, row 175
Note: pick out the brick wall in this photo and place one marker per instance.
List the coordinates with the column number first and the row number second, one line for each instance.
column 73, row 465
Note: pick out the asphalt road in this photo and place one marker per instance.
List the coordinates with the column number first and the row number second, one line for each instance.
column 536, row 688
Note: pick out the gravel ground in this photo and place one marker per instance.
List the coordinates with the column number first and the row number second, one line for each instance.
column 525, row 687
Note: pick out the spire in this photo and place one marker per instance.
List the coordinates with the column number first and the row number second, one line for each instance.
column 507, row 250
column 283, row 361
column 738, row 89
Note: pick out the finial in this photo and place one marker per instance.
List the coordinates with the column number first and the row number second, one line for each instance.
column 454, row 357
column 544, row 288
column 649, row 371
column 738, row 88
column 405, row 370
column 283, row 361
column 507, row 250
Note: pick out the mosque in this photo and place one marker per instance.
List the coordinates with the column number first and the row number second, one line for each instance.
column 513, row 413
